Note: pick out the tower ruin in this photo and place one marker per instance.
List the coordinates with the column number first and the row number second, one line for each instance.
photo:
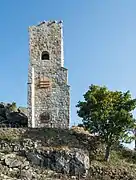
column 48, row 89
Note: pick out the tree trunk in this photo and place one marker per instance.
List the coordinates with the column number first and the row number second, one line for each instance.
column 107, row 153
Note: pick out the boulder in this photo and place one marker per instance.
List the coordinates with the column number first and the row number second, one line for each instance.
column 14, row 161
column 11, row 116
column 11, row 162
column 74, row 162
column 17, row 118
column 5, row 156
column 35, row 158
column 26, row 174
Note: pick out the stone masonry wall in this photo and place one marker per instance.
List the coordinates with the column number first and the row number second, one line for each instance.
column 55, row 101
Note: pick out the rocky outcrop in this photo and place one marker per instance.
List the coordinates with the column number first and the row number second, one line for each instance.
column 53, row 154
column 15, row 167
column 34, row 166
column 11, row 116
column 64, row 152
column 73, row 162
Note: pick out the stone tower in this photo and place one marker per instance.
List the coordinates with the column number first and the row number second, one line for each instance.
column 48, row 89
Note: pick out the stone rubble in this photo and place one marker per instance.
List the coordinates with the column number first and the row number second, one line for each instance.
column 13, row 166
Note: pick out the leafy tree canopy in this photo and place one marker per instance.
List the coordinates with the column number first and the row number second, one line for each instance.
column 107, row 113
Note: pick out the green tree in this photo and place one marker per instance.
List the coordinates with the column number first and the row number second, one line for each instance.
column 107, row 114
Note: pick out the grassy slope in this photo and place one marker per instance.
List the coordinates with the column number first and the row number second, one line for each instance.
column 122, row 165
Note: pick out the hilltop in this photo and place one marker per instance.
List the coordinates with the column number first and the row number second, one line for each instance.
column 54, row 154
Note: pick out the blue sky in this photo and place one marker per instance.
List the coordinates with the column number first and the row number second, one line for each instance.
column 99, row 44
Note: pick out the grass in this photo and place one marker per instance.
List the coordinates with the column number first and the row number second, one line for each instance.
column 9, row 134
column 120, row 160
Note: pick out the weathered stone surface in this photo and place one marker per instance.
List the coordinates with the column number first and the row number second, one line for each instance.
column 12, row 162
column 72, row 162
column 19, row 139
column 35, row 158
column 26, row 174
column 63, row 151
column 4, row 177
column 10, row 116
column 9, row 155
column 54, row 101
column 52, row 154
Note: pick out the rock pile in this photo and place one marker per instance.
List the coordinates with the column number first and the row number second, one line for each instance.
column 34, row 165
column 104, row 173
column 35, row 152
column 11, row 116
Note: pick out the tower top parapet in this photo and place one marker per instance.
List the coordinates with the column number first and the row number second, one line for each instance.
column 48, row 23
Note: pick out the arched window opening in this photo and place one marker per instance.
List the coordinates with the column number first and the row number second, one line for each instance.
column 45, row 117
column 45, row 55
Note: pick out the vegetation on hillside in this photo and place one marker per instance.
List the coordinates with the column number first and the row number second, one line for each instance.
column 121, row 166
column 108, row 114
